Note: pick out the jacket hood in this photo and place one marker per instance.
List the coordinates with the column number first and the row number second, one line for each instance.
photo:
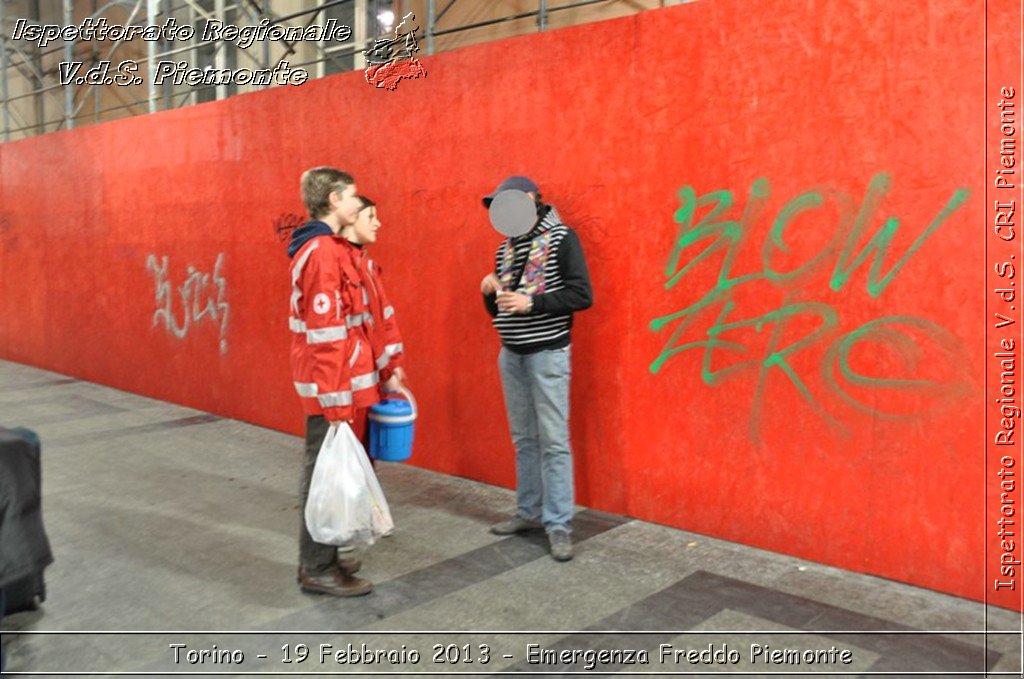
column 304, row 233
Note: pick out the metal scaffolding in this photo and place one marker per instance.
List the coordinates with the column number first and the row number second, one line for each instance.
column 34, row 65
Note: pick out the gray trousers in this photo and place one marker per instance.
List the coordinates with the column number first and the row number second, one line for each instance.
column 313, row 556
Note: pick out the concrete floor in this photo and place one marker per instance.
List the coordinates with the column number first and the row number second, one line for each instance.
column 174, row 527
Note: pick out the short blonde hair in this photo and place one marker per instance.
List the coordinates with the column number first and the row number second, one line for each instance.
column 317, row 184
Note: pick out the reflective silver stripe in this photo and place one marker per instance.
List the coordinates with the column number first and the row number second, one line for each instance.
column 389, row 351
column 322, row 335
column 366, row 297
column 307, row 389
column 297, row 268
column 364, row 381
column 351, row 321
column 335, row 398
column 389, row 311
column 355, row 354
column 355, row 320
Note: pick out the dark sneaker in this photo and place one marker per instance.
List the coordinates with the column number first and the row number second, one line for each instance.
column 334, row 582
column 516, row 524
column 561, row 545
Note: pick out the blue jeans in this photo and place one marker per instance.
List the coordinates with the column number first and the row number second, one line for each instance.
column 537, row 401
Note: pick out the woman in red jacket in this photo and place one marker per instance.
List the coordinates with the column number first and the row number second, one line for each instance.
column 381, row 327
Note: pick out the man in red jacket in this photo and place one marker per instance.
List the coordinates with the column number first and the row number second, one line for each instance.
column 332, row 364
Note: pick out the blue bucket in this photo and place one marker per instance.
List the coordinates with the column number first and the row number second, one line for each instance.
column 391, row 428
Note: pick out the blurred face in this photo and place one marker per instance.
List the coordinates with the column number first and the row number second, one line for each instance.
column 345, row 206
column 365, row 228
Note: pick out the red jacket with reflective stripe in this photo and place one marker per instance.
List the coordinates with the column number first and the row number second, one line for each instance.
column 388, row 351
column 339, row 347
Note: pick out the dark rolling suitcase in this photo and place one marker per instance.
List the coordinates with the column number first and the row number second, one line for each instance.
column 24, row 547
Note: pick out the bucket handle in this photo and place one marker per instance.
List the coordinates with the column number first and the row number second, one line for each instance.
column 412, row 400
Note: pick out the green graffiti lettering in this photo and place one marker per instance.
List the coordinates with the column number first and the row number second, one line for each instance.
column 727, row 233
column 837, row 360
column 671, row 348
column 878, row 247
column 774, row 241
column 720, row 233
column 775, row 358
column 780, row 359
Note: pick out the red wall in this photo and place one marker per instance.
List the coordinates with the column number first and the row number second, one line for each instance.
column 834, row 417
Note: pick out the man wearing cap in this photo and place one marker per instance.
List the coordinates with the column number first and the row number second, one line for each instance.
column 539, row 280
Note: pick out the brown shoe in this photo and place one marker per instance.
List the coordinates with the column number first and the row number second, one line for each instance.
column 350, row 566
column 346, row 566
column 334, row 582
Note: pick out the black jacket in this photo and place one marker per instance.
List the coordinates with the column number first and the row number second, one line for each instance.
column 548, row 324
column 24, row 547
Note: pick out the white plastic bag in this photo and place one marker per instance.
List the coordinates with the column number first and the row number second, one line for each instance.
column 346, row 505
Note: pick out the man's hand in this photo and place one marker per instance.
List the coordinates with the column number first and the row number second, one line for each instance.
column 514, row 302
column 396, row 382
column 490, row 284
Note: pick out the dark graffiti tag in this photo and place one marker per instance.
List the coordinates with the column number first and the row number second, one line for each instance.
column 850, row 371
column 8, row 234
column 285, row 224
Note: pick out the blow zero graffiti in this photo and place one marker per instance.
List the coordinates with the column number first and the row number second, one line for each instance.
column 200, row 296
column 776, row 315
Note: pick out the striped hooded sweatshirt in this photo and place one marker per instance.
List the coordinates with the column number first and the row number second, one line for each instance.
column 548, row 264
